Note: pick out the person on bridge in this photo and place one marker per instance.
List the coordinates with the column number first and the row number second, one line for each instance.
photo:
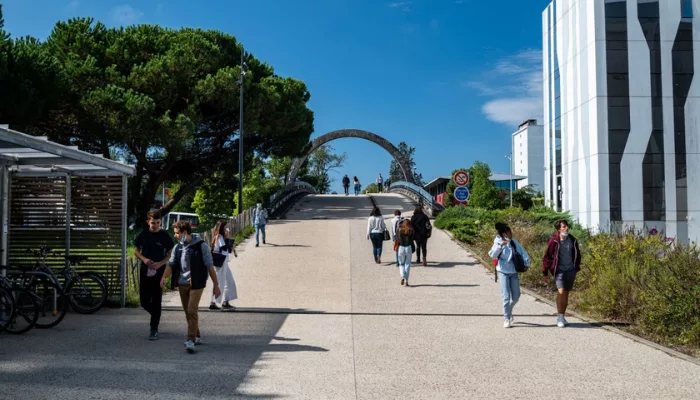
column 191, row 260
column 422, row 232
column 387, row 184
column 394, row 232
column 563, row 260
column 375, row 232
column 259, row 221
column 220, row 254
column 153, row 247
column 358, row 187
column 406, row 248
column 346, row 185
column 380, row 184
column 506, row 274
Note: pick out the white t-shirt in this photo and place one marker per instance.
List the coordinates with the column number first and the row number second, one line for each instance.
column 375, row 225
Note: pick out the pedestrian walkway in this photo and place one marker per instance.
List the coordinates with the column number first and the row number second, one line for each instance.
column 318, row 319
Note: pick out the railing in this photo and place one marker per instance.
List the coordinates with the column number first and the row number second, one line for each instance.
column 418, row 194
column 281, row 197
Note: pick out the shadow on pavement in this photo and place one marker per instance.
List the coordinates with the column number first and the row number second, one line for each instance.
column 100, row 355
column 445, row 285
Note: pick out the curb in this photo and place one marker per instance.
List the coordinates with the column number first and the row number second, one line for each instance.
column 591, row 321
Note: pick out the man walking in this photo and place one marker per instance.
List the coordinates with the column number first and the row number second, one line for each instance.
column 563, row 260
column 153, row 248
column 380, row 183
column 422, row 231
column 192, row 261
column 346, row 184
column 259, row 221
column 394, row 232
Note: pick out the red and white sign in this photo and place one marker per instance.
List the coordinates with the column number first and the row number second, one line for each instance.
column 461, row 178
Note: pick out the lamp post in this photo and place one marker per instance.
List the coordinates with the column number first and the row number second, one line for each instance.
column 510, row 180
column 241, row 82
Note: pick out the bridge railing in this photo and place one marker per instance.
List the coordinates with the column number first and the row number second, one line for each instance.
column 282, row 196
column 418, row 194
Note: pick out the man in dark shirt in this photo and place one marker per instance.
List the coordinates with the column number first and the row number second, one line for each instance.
column 153, row 248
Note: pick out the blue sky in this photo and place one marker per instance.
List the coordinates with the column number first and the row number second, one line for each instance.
column 453, row 78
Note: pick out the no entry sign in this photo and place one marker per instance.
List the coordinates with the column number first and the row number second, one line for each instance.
column 461, row 178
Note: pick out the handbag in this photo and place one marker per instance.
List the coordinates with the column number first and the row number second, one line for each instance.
column 386, row 235
column 218, row 259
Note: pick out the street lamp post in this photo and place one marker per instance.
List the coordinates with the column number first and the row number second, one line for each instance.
column 510, row 180
column 241, row 82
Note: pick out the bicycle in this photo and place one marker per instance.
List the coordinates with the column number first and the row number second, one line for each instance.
column 26, row 308
column 86, row 291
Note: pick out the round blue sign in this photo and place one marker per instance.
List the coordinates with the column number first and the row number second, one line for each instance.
column 462, row 194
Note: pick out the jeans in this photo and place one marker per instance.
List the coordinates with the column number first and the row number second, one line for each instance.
column 377, row 242
column 190, row 303
column 510, row 291
column 346, row 189
column 152, row 296
column 258, row 229
column 422, row 244
column 405, row 261
column 358, row 189
column 397, row 258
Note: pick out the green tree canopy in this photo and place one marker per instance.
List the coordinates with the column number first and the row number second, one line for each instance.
column 395, row 172
column 167, row 99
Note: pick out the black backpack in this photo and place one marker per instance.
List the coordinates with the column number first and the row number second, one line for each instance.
column 518, row 259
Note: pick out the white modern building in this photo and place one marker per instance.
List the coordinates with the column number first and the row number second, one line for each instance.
column 528, row 154
column 622, row 113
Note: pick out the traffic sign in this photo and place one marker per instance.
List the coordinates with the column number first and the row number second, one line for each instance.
column 461, row 178
column 462, row 194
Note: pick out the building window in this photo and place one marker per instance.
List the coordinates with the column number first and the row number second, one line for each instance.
column 686, row 8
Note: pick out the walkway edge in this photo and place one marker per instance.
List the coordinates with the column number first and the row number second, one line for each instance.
column 667, row 350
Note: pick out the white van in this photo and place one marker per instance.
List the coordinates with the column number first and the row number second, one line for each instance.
column 175, row 216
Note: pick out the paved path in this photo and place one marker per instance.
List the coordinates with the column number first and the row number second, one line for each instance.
column 318, row 319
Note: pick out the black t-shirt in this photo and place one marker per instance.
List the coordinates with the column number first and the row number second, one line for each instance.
column 154, row 246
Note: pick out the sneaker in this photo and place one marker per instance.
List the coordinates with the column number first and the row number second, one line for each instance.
column 264, row 242
column 560, row 322
column 189, row 346
column 563, row 319
column 213, row 306
column 407, row 285
column 153, row 335
column 403, row 281
column 512, row 320
column 226, row 305
column 257, row 245
column 198, row 340
column 506, row 323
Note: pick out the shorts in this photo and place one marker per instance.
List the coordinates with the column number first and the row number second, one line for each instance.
column 565, row 279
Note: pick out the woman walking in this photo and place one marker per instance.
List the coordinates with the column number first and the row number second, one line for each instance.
column 357, row 185
column 375, row 233
column 405, row 239
column 563, row 260
column 422, row 229
column 220, row 254
column 504, row 249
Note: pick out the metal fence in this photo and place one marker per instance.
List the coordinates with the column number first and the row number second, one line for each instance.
column 236, row 224
column 418, row 194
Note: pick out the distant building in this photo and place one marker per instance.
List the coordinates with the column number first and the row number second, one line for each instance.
column 438, row 186
column 528, row 154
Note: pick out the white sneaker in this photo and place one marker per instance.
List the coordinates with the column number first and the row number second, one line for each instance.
column 512, row 320
column 198, row 340
column 566, row 323
column 560, row 322
column 506, row 323
column 189, row 346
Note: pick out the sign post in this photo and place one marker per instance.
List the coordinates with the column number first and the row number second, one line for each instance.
column 461, row 179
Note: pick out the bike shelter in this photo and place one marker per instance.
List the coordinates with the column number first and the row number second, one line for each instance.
column 66, row 199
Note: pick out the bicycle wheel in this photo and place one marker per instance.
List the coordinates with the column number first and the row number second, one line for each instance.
column 53, row 303
column 88, row 293
column 26, row 311
column 7, row 308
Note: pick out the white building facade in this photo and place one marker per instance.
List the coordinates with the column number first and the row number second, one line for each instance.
column 528, row 154
column 622, row 113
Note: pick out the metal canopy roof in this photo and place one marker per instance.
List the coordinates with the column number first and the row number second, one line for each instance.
column 35, row 155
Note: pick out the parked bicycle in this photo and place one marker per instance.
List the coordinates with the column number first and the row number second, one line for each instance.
column 25, row 307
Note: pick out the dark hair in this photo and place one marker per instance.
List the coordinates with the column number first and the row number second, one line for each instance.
column 418, row 210
column 561, row 222
column 375, row 212
column 260, row 201
column 155, row 214
column 183, row 226
column 397, row 212
column 502, row 228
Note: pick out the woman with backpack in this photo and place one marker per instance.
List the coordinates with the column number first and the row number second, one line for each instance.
column 375, row 232
column 405, row 243
column 220, row 255
column 422, row 230
column 511, row 258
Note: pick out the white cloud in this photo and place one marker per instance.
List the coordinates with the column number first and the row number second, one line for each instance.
column 405, row 6
column 515, row 85
column 74, row 4
column 126, row 15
